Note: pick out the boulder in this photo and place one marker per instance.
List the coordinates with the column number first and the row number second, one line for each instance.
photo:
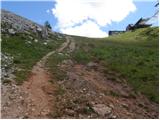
column 35, row 40
column 45, row 43
column 11, row 31
column 44, row 32
column 92, row 65
column 102, row 109
column 39, row 29
column 67, row 62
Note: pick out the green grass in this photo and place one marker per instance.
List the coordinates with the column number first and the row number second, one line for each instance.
column 26, row 54
column 52, row 64
column 60, row 91
column 133, row 54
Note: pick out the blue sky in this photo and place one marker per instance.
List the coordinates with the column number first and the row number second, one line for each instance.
column 144, row 9
column 37, row 11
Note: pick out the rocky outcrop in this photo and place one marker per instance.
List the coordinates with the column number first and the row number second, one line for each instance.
column 7, row 67
column 12, row 23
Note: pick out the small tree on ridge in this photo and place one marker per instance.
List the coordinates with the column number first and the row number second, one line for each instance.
column 47, row 25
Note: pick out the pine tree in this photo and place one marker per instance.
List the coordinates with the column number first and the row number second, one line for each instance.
column 47, row 25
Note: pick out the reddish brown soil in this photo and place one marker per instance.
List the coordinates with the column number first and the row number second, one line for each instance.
column 40, row 90
column 77, row 96
column 87, row 86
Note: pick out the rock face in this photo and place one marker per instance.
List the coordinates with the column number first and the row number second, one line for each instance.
column 12, row 23
column 7, row 67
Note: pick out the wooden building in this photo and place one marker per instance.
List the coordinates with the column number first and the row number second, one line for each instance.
column 115, row 32
column 141, row 23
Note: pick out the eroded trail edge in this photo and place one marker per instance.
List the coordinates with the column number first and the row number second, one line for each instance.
column 40, row 89
column 34, row 98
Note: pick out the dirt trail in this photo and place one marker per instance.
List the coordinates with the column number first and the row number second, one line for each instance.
column 34, row 98
column 40, row 89
column 87, row 92
column 72, row 44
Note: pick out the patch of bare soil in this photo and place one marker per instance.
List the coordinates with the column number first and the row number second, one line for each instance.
column 40, row 92
column 90, row 93
column 40, row 89
column 34, row 98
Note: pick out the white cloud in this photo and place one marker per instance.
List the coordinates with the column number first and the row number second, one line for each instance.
column 69, row 13
column 89, row 29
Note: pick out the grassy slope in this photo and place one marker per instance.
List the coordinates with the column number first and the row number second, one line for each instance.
column 133, row 54
column 52, row 64
column 26, row 54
